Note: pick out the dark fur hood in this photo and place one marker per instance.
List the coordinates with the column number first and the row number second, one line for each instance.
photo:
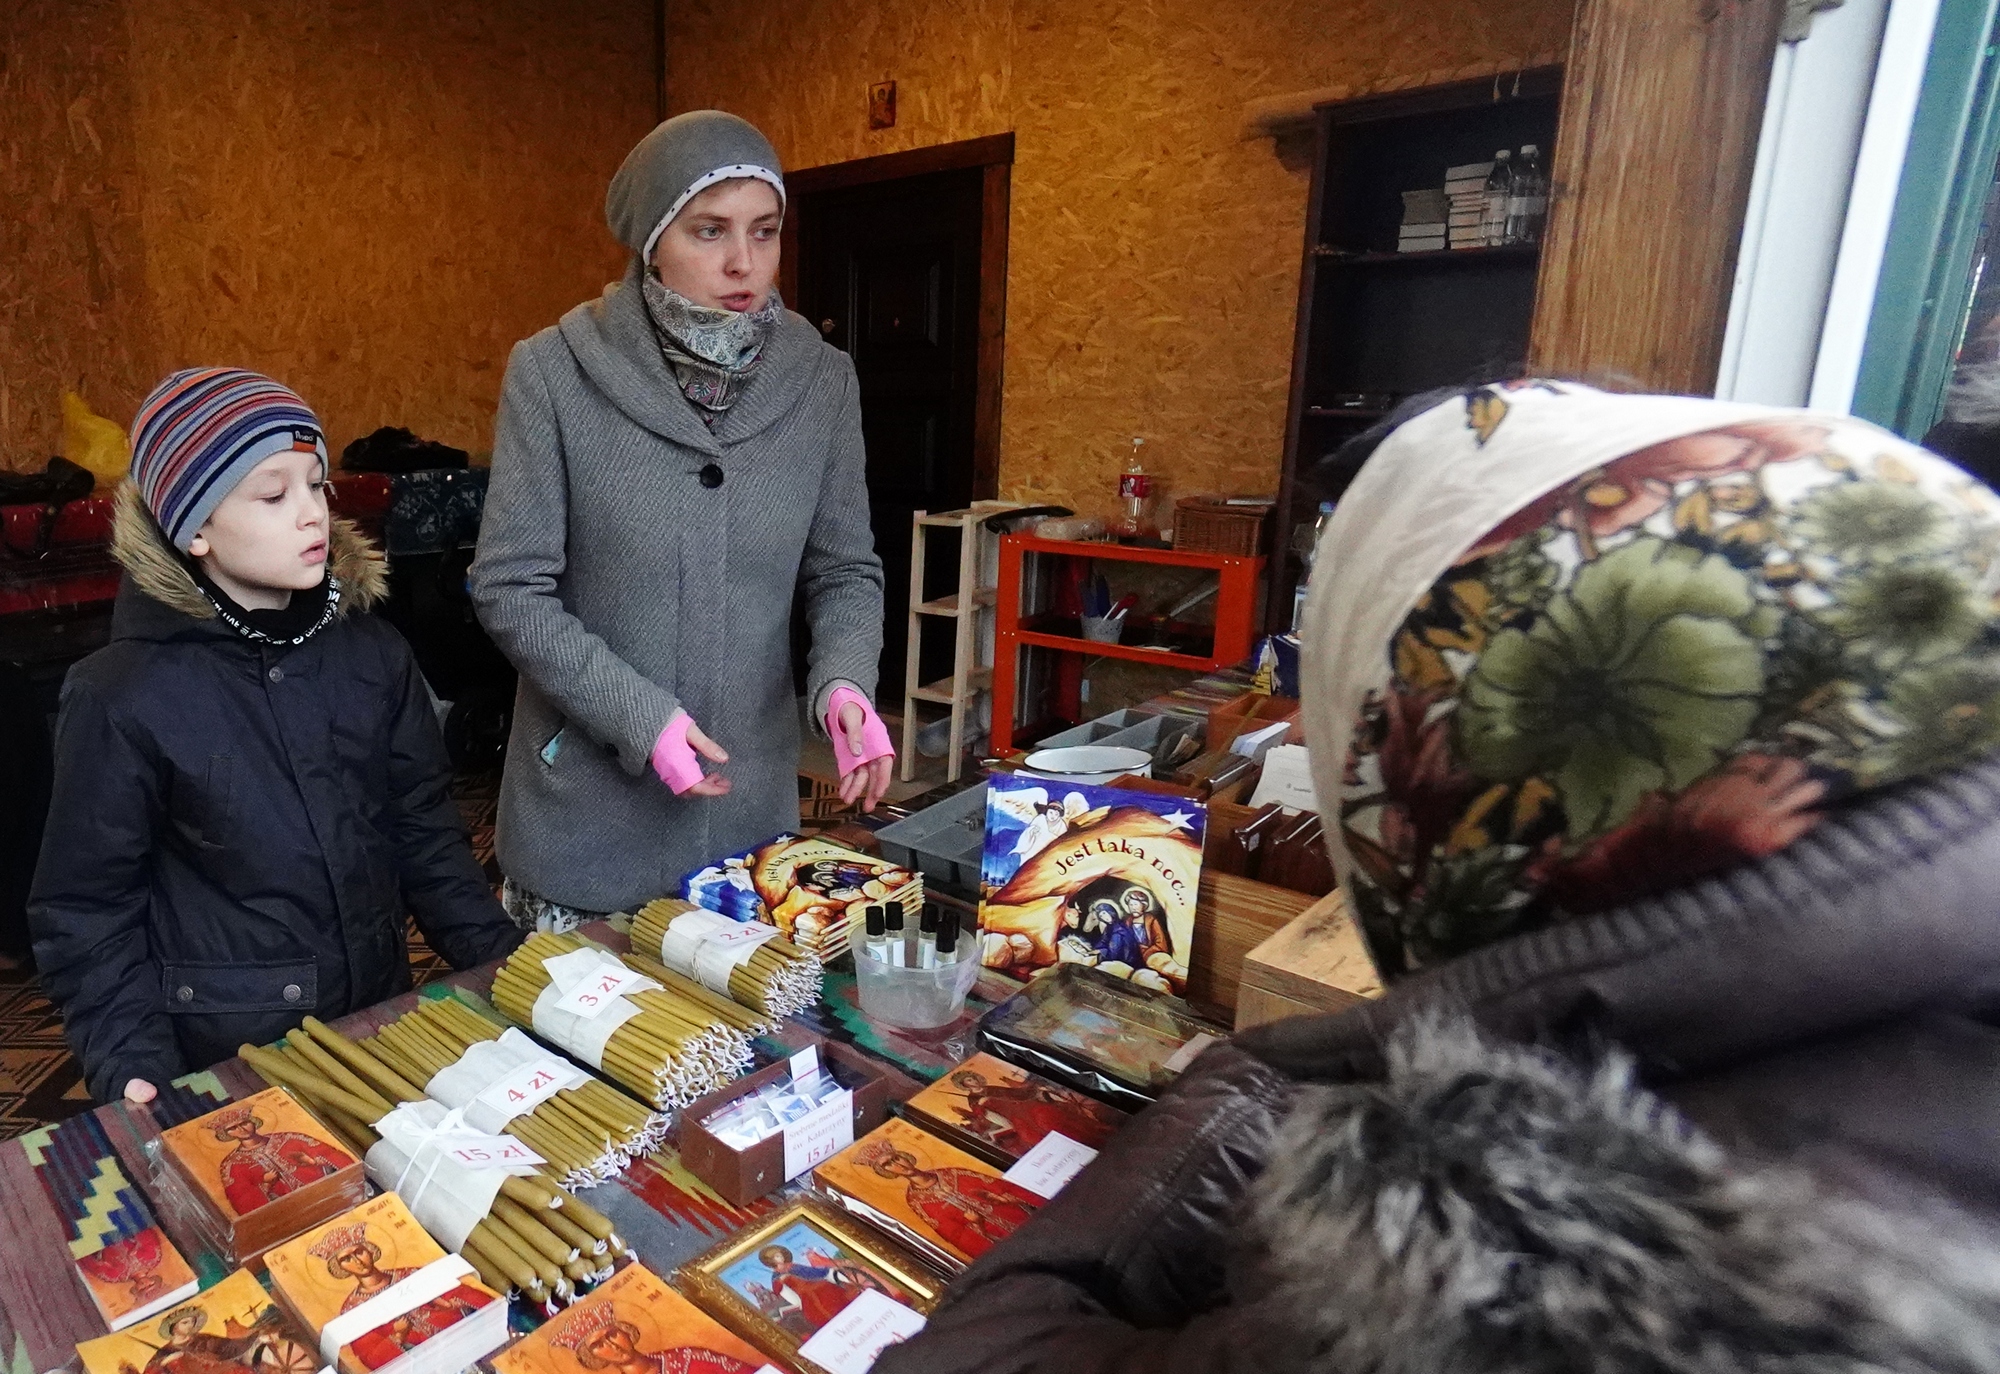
column 1493, row 1208
column 157, row 570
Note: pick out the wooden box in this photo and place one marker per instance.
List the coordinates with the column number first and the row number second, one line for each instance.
column 1316, row 963
column 744, row 1175
column 1232, row 917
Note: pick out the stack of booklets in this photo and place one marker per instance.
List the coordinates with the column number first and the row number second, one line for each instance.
column 813, row 890
column 998, row 1112
column 378, row 1294
column 1424, row 218
column 947, row 1206
column 1465, row 188
column 633, row 1322
column 232, row 1326
column 255, row 1173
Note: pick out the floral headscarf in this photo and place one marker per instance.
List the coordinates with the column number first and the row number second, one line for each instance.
column 1575, row 649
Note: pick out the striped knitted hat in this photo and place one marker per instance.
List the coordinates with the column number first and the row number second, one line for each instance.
column 205, row 429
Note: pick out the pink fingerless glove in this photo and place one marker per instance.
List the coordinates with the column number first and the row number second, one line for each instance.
column 674, row 758
column 874, row 734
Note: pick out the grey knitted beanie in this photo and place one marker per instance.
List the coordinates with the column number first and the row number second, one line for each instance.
column 678, row 160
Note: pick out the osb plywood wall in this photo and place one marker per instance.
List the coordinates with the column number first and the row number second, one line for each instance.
column 369, row 199
column 1154, row 253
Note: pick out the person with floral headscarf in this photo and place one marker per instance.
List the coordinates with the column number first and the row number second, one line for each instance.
column 1658, row 740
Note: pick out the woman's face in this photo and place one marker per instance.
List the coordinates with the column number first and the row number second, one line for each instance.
column 722, row 249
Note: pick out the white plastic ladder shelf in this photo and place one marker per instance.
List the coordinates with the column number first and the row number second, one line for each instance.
column 978, row 555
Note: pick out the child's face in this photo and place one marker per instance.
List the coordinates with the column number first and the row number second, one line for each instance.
column 722, row 249
column 268, row 537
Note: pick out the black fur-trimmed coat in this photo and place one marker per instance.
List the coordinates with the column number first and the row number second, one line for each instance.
column 1751, row 1127
column 238, row 828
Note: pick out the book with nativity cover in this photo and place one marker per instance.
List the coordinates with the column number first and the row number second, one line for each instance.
column 633, row 1321
column 933, row 1197
column 233, row 1326
column 380, row 1295
column 256, row 1172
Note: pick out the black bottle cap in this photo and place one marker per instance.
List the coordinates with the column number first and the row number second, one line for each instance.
column 895, row 910
column 874, row 919
column 928, row 922
column 947, row 932
column 711, row 476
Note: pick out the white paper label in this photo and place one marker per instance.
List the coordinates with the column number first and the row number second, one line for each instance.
column 805, row 1066
column 861, row 1331
column 821, row 1133
column 1055, row 1160
column 595, row 995
column 523, row 1088
column 726, row 947
column 1287, row 779
column 477, row 1150
column 1184, row 1056
column 431, row 1282
column 495, row 1081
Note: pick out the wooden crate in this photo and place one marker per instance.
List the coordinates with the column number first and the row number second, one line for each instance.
column 1232, row 917
column 1316, row 963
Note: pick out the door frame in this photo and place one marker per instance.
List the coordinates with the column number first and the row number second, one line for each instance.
column 995, row 155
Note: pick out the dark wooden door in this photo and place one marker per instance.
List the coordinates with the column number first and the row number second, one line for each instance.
column 890, row 272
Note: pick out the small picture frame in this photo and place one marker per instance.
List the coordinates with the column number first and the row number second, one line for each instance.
column 882, row 105
column 779, row 1282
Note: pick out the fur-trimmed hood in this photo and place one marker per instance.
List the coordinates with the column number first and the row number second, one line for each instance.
column 1492, row 1208
column 159, row 573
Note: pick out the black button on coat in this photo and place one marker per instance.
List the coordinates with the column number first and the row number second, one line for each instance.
column 237, row 828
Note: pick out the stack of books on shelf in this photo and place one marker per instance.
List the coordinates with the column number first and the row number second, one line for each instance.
column 1465, row 188
column 1423, row 228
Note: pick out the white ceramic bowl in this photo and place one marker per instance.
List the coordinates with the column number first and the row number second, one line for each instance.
column 1089, row 763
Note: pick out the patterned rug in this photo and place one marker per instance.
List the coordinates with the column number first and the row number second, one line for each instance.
column 41, row 1082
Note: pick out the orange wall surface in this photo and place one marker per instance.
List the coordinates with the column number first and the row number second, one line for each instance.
column 369, row 199
column 1154, row 251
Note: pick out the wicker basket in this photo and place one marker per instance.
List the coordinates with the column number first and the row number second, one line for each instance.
column 1202, row 525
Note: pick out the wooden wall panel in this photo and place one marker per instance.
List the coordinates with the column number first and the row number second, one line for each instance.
column 1662, row 104
column 369, row 199
column 1154, row 252
column 73, row 305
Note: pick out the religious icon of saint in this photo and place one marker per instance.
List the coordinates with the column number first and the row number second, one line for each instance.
column 1016, row 1116
column 186, row 1348
column 349, row 1254
column 969, row 1210
column 263, row 1168
column 601, row 1340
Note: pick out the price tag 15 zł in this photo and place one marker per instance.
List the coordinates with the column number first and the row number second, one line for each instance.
column 820, row 1134
column 475, row 1150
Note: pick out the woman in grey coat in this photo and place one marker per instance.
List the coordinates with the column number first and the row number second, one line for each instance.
column 671, row 461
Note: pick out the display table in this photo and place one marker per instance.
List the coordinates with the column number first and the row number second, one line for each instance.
column 665, row 1214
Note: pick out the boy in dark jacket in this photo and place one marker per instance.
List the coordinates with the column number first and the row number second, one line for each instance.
column 250, row 785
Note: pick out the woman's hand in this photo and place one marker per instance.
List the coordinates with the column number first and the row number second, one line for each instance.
column 676, row 764
column 868, row 780
column 711, row 784
column 139, row 1092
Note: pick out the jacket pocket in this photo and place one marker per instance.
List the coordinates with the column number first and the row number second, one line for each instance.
column 202, row 811
column 206, row 989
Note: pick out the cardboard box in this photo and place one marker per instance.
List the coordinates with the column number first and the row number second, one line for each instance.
column 1316, row 963
column 744, row 1175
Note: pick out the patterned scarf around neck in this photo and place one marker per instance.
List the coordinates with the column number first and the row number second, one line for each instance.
column 713, row 352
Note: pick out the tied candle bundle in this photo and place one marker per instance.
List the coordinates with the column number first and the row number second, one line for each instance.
column 589, row 1132
column 778, row 979
column 536, row 1239
column 672, row 1048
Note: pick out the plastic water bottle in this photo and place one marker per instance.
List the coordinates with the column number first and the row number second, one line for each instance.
column 1499, row 188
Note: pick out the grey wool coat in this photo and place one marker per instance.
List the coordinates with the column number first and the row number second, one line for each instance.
column 623, row 587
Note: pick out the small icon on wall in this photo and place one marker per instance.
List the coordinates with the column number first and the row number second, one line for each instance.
column 882, row 105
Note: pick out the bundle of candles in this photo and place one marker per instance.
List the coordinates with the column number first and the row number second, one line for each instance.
column 676, row 1045
column 537, row 1239
column 777, row 978
column 589, row 1133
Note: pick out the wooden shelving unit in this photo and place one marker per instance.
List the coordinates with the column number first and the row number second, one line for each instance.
column 969, row 677
column 1228, row 641
column 1375, row 322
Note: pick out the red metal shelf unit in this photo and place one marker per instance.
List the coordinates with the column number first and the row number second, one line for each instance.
column 1235, row 617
